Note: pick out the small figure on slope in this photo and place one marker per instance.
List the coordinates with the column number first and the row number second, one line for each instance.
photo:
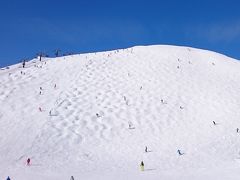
column 23, row 64
column 179, row 152
column 28, row 161
column 8, row 178
column 130, row 125
column 98, row 115
column 142, row 166
column 72, row 178
column 237, row 130
column 146, row 150
column 214, row 123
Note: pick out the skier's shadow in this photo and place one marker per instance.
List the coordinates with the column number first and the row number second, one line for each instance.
column 35, row 164
column 148, row 151
column 150, row 169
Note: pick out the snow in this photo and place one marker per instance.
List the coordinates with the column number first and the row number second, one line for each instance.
column 168, row 95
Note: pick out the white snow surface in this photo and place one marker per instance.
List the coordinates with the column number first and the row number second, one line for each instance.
column 169, row 96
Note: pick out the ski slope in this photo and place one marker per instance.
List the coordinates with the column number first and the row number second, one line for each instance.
column 107, row 106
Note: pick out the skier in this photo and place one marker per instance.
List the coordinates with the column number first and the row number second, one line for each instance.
column 146, row 150
column 142, row 166
column 8, row 178
column 40, row 109
column 28, row 161
column 55, row 86
column 179, row 152
column 237, row 130
column 214, row 122
column 130, row 125
column 98, row 115
column 72, row 178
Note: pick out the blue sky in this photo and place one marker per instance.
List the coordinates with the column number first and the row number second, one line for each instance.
column 31, row 26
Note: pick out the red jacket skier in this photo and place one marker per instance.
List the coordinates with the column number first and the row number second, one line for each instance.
column 28, row 161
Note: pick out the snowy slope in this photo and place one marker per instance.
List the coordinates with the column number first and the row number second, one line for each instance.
column 169, row 95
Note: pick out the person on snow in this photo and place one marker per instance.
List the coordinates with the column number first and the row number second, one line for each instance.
column 179, row 152
column 237, row 130
column 142, row 166
column 72, row 178
column 8, row 178
column 98, row 115
column 28, row 161
column 23, row 64
column 146, row 150
column 214, row 123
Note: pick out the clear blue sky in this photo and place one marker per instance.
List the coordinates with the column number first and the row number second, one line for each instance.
column 31, row 26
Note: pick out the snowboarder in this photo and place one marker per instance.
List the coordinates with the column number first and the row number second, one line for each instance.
column 72, row 178
column 28, row 161
column 142, row 166
column 214, row 123
column 146, row 150
column 8, row 178
column 179, row 152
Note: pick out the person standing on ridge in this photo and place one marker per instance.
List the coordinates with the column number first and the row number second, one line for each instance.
column 8, row 178
column 23, row 64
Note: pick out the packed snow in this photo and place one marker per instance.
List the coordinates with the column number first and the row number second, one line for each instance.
column 98, row 115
